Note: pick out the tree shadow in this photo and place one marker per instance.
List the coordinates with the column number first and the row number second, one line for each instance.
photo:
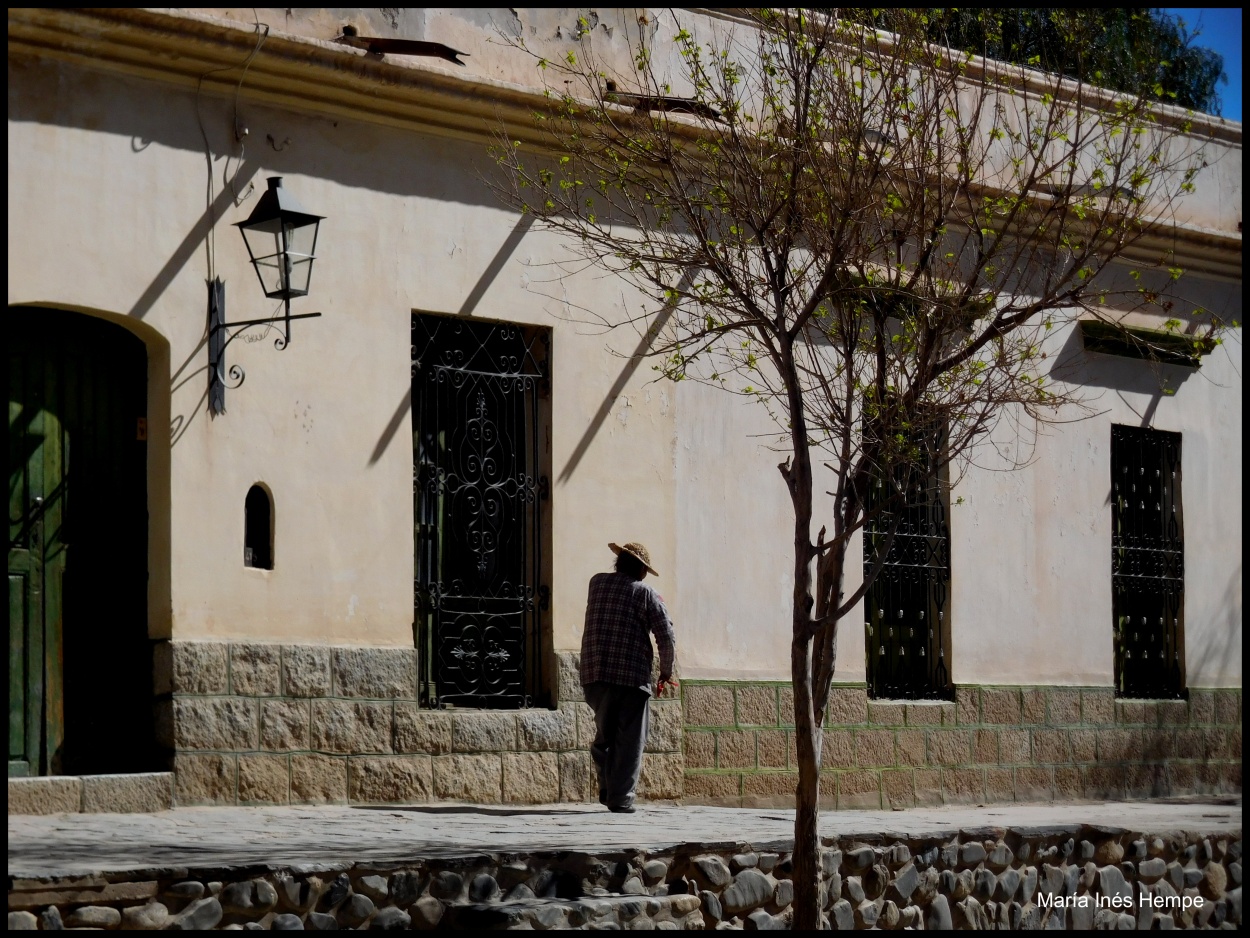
column 1222, row 653
column 493, row 269
column 631, row 365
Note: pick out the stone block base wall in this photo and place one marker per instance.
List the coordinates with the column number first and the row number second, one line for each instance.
column 301, row 724
column 1065, row 877
column 71, row 794
column 990, row 744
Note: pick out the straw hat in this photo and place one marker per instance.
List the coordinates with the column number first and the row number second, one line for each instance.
column 638, row 552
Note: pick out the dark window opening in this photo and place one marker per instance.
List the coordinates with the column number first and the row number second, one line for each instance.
column 907, row 608
column 1147, row 562
column 258, row 529
column 1147, row 344
column 480, row 393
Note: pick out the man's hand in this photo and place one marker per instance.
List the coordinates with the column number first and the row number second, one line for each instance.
column 669, row 681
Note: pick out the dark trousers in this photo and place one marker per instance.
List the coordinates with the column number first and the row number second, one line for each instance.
column 621, row 719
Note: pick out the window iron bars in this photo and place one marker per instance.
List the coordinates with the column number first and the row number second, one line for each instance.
column 906, row 608
column 477, row 484
column 1147, row 562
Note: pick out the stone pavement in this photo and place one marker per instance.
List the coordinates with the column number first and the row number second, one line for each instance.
column 339, row 836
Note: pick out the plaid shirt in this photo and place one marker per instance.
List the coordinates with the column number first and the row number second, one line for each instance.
column 616, row 646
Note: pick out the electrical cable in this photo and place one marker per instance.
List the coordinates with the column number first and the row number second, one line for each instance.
column 241, row 132
column 210, row 246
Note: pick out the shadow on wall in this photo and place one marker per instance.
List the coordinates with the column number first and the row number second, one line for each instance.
column 1217, row 657
column 1075, row 365
column 1191, row 300
column 493, row 269
column 631, row 365
column 195, row 237
column 352, row 154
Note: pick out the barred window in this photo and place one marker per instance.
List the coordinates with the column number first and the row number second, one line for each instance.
column 1147, row 562
column 907, row 608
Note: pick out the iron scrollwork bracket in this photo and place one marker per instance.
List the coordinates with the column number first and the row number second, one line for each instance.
column 219, row 337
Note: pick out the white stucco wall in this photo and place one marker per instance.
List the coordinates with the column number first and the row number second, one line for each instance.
column 107, row 179
column 735, row 555
column 113, row 170
column 1030, row 547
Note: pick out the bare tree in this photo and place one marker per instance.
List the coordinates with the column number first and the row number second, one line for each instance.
column 869, row 234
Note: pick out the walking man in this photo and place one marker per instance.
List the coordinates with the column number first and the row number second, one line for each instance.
column 621, row 615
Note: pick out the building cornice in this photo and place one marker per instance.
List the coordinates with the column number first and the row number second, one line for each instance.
column 322, row 77
column 297, row 72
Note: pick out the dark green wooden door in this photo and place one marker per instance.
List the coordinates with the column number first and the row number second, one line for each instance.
column 36, row 568
column 79, row 659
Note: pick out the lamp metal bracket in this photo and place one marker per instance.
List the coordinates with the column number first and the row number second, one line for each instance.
column 219, row 337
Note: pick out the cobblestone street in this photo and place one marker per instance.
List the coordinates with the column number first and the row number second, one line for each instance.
column 78, row 844
column 1106, row 865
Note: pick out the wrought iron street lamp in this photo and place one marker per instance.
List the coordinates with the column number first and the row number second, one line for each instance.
column 281, row 240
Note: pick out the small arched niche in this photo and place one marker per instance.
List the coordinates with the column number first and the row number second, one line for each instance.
column 258, row 528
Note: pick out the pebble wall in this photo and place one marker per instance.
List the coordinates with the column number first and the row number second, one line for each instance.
column 1077, row 877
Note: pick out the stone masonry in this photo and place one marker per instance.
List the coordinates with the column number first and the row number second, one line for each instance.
column 1073, row 876
column 265, row 724
column 991, row 744
column 92, row 794
column 299, row 724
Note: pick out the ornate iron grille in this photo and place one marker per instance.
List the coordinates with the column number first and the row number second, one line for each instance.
column 477, row 483
column 905, row 608
column 1147, row 561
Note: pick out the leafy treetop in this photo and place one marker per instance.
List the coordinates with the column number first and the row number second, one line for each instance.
column 1137, row 50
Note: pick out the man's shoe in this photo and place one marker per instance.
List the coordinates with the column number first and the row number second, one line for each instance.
column 621, row 808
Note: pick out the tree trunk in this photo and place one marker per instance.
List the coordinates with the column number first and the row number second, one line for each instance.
column 806, row 731
column 806, row 808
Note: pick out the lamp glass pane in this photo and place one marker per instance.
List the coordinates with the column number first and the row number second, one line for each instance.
column 282, row 253
column 265, row 246
column 301, row 273
column 302, row 239
column 270, row 271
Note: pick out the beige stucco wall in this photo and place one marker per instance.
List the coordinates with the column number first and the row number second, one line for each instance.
column 1030, row 548
column 114, row 172
column 1044, row 616
column 107, row 179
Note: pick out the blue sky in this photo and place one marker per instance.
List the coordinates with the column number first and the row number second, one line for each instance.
column 1219, row 29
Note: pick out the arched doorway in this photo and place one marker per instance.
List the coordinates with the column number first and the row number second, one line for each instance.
column 80, row 675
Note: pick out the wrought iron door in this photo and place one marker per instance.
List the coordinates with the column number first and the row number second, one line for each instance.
column 1147, row 562
column 477, row 391
column 905, row 608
